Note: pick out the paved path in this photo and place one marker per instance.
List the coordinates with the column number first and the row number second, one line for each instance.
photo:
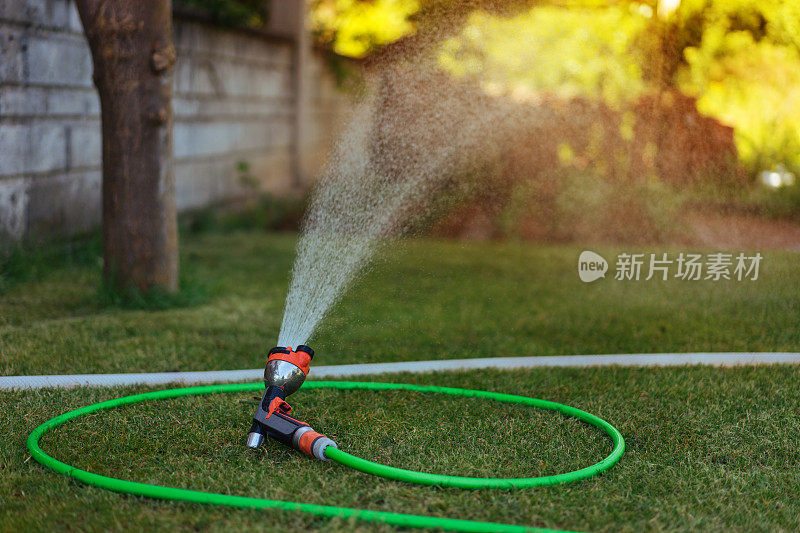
column 337, row 371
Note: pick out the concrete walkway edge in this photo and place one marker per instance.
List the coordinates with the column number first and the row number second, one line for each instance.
column 721, row 359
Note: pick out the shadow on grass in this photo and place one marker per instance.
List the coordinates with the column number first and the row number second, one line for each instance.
column 192, row 291
column 35, row 261
column 30, row 261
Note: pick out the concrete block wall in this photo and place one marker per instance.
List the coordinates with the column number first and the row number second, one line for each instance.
column 49, row 121
column 233, row 103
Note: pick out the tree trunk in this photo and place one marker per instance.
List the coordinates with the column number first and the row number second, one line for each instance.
column 133, row 55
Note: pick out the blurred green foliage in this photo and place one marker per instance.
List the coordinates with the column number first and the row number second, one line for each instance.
column 234, row 13
column 739, row 58
column 744, row 66
column 264, row 211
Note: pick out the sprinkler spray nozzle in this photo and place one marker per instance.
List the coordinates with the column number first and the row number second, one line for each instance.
column 285, row 372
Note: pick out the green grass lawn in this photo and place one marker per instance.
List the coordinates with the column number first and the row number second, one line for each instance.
column 427, row 299
column 708, row 449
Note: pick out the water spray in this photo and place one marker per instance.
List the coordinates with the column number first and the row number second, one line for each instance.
column 285, row 372
column 365, row 198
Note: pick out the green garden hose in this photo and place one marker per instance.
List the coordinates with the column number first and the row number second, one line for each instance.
column 398, row 519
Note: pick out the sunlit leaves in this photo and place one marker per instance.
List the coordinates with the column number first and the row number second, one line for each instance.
column 354, row 28
column 568, row 52
column 745, row 69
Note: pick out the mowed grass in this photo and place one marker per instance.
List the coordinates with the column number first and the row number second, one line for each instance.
column 708, row 448
column 423, row 299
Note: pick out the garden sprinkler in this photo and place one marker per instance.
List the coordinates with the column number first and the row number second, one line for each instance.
column 286, row 370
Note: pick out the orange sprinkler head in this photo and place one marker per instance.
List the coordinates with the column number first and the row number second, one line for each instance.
column 288, row 368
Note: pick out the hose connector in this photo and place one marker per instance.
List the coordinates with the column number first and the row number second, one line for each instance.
column 312, row 443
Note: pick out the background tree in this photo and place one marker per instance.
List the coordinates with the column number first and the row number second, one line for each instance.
column 133, row 56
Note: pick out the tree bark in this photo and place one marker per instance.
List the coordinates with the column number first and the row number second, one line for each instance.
column 133, row 55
